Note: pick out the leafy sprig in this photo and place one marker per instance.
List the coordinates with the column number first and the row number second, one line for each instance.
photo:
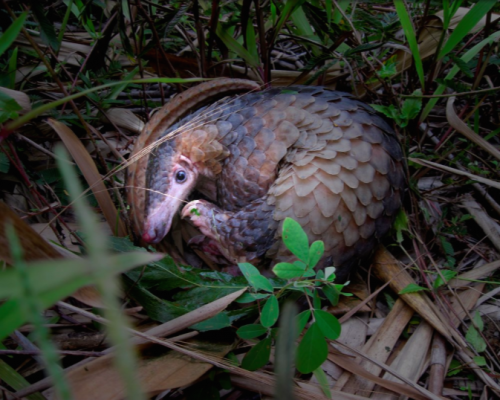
column 300, row 276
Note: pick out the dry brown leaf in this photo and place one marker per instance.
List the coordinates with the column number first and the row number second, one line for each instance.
column 410, row 361
column 155, row 371
column 460, row 14
column 431, row 164
column 476, row 273
column 481, row 217
column 193, row 317
column 354, row 368
column 377, row 349
column 34, row 246
column 387, row 268
column 354, row 333
column 20, row 97
column 461, row 126
column 264, row 384
column 91, row 174
column 464, row 302
column 125, row 118
column 66, row 238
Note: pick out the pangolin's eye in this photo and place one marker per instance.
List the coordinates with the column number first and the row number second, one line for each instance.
column 180, row 176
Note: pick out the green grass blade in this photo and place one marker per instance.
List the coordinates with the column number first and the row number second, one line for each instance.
column 17, row 123
column 466, row 25
column 337, row 15
column 251, row 41
column 34, row 311
column 11, row 33
column 125, row 358
column 15, row 380
column 47, row 31
column 12, row 69
column 494, row 37
column 304, row 28
column 411, row 38
column 290, row 6
column 235, row 47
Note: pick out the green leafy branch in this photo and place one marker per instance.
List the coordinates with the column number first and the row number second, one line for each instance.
column 299, row 276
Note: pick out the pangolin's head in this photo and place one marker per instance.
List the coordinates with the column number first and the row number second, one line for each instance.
column 171, row 177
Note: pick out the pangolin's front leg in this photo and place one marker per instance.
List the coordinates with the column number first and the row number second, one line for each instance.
column 244, row 235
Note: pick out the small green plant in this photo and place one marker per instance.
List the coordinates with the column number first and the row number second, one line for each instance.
column 409, row 110
column 298, row 276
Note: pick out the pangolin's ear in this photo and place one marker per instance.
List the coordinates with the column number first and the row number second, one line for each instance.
column 186, row 160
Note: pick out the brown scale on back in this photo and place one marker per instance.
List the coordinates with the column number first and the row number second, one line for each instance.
column 315, row 155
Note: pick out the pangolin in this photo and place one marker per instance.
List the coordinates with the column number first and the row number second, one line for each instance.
column 316, row 155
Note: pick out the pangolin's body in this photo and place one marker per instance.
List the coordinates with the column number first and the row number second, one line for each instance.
column 309, row 153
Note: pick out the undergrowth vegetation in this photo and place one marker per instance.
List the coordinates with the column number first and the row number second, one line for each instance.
column 89, row 74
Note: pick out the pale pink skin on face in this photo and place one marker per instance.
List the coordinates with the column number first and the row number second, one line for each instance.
column 159, row 219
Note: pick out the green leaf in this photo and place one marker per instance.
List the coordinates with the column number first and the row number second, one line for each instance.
column 342, row 4
column 217, row 322
column 11, row 33
column 447, row 275
column 302, row 320
column 46, row 276
column 332, row 294
column 258, row 356
column 466, row 25
column 329, row 324
column 290, row 6
column 405, row 19
column 400, row 224
column 361, row 48
column 11, row 75
column 4, row 163
column 462, row 65
column 475, row 340
column 254, row 278
column 235, row 47
column 466, row 58
column 455, row 368
column 251, row 41
column 388, row 69
column 480, row 361
column 316, row 300
column 115, row 91
column 8, row 104
column 285, row 270
column 295, row 239
column 47, row 31
column 322, row 379
column 412, row 288
column 312, row 350
column 270, row 312
column 251, row 297
column 315, row 253
column 15, row 380
column 478, row 320
column 412, row 106
column 251, row 331
column 389, row 111
column 330, row 273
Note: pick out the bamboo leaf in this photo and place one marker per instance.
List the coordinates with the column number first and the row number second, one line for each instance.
column 11, row 33
column 235, row 47
column 494, row 37
column 466, row 25
column 411, row 38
